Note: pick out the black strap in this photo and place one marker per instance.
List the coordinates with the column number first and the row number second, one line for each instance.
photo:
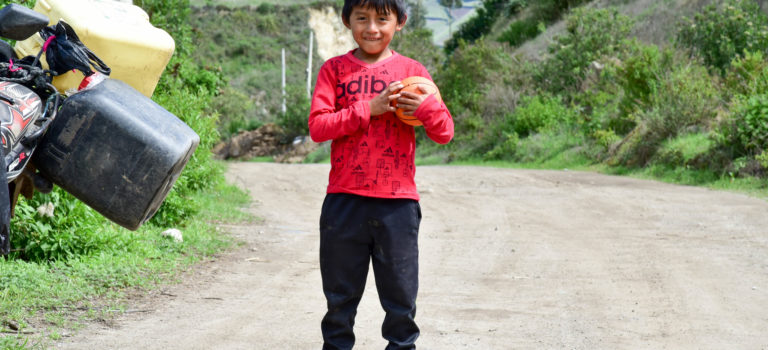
column 65, row 51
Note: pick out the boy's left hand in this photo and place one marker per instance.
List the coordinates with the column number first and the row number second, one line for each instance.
column 410, row 101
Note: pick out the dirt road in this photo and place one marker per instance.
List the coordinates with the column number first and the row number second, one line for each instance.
column 510, row 259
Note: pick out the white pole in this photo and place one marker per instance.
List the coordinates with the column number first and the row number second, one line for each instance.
column 284, row 81
column 309, row 66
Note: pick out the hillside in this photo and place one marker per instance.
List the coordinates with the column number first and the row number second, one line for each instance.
column 437, row 19
column 552, row 83
column 655, row 21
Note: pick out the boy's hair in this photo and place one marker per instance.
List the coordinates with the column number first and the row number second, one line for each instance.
column 381, row 6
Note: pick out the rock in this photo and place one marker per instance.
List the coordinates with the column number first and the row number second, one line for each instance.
column 46, row 210
column 173, row 233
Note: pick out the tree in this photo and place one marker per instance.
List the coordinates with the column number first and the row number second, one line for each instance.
column 449, row 5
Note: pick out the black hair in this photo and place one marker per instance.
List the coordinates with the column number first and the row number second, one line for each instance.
column 381, row 6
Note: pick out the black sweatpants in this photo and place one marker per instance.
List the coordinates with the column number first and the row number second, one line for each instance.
column 353, row 231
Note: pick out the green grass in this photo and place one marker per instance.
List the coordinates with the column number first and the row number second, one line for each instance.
column 47, row 299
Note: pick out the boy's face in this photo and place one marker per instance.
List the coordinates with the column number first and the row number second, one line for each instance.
column 372, row 31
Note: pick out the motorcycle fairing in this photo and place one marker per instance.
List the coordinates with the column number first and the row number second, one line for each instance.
column 20, row 107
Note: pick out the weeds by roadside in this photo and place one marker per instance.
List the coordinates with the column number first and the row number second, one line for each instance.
column 42, row 300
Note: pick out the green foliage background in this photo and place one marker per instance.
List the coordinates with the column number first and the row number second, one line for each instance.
column 78, row 260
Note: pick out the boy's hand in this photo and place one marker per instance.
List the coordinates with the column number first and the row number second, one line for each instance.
column 410, row 101
column 381, row 103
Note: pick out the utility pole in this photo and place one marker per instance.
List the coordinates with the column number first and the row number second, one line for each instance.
column 309, row 66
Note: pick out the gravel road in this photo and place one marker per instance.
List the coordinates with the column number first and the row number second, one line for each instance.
column 510, row 259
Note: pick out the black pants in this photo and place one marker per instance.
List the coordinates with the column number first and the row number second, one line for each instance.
column 353, row 231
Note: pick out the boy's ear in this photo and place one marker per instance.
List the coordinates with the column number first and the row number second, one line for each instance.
column 346, row 22
column 400, row 25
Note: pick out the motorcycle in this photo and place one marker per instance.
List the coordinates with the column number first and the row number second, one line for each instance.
column 28, row 104
column 100, row 143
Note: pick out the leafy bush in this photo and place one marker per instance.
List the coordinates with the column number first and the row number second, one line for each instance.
column 232, row 105
column 417, row 44
column 551, row 10
column 537, row 113
column 69, row 229
column 746, row 131
column 686, row 100
column 723, row 31
column 554, row 147
column 687, row 97
column 639, row 76
column 172, row 16
column 294, row 120
column 590, row 35
column 521, row 31
column 27, row 3
column 505, row 149
column 748, row 75
column 463, row 78
column 687, row 150
column 481, row 23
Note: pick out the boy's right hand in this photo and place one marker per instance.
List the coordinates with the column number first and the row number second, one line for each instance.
column 381, row 103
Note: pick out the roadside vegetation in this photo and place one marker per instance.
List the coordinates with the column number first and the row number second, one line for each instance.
column 691, row 110
column 75, row 265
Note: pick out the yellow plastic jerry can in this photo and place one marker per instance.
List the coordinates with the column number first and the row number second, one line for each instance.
column 120, row 34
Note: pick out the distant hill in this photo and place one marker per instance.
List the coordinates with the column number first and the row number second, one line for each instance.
column 437, row 18
column 655, row 20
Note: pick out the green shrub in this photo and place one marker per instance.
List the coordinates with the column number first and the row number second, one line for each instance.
column 723, row 31
column 172, row 16
column 69, row 229
column 590, row 35
column 534, row 114
column 640, row 74
column 466, row 74
column 551, row 10
column 687, row 150
column 417, row 44
column 482, row 22
column 605, row 138
column 546, row 147
column 687, row 97
column 521, row 31
column 236, row 111
column 746, row 131
column 748, row 75
column 294, row 120
column 27, row 3
column 686, row 100
column 505, row 149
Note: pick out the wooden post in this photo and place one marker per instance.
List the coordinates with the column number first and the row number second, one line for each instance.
column 284, row 81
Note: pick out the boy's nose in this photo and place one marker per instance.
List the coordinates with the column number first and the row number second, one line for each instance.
column 371, row 27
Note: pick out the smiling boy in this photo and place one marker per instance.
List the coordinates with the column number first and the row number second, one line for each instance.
column 371, row 212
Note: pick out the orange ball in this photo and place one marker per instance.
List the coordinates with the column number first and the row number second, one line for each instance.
column 411, row 84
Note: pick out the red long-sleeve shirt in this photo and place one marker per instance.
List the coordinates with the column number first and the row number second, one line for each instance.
column 371, row 156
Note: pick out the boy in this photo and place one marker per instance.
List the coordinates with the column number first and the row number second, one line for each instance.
column 371, row 210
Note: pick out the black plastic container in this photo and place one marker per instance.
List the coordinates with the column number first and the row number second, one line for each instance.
column 117, row 151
